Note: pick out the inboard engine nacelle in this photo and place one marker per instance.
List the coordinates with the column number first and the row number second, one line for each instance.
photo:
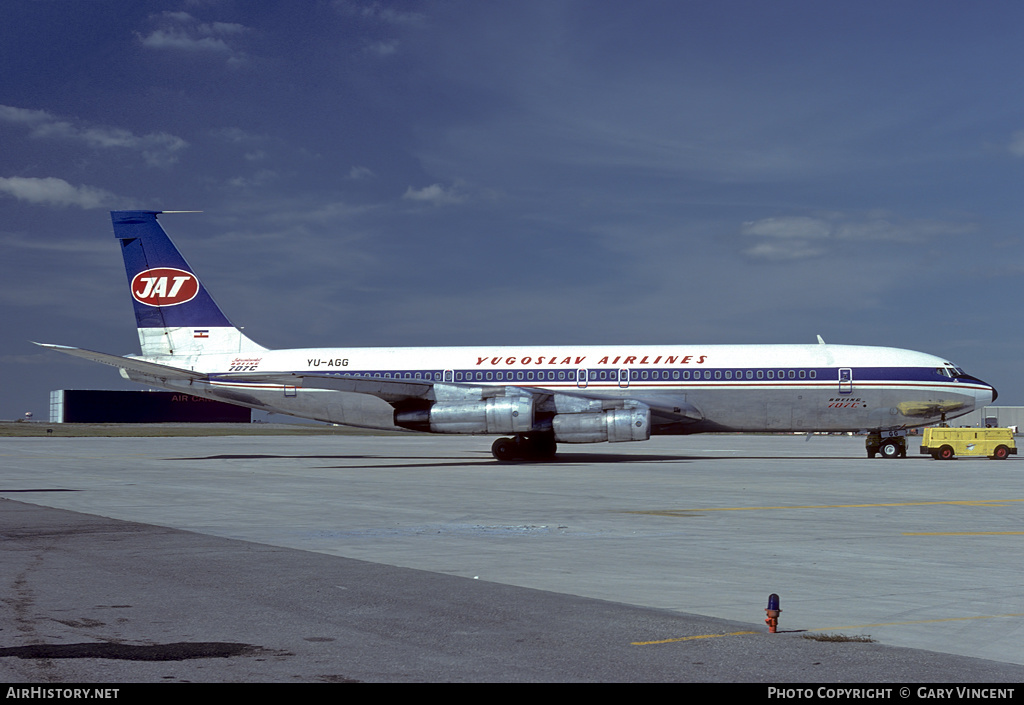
column 512, row 414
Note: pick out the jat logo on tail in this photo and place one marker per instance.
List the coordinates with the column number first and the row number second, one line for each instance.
column 164, row 286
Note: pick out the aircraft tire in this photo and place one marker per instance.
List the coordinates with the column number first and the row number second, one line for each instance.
column 889, row 450
column 505, row 450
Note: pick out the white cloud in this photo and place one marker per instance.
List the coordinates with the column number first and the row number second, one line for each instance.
column 176, row 38
column 237, row 135
column 1016, row 146
column 778, row 251
column 25, row 117
column 55, row 192
column 802, row 237
column 223, row 28
column 179, row 16
column 260, row 178
column 181, row 31
column 383, row 48
column 377, row 15
column 375, row 11
column 359, row 173
column 157, row 148
column 436, row 194
column 788, row 227
column 886, row 230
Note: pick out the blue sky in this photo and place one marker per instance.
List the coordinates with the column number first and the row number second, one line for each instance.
column 455, row 172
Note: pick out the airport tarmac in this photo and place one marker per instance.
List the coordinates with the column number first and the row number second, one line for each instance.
column 666, row 544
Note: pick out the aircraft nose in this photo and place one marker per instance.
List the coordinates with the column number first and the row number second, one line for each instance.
column 984, row 393
column 989, row 391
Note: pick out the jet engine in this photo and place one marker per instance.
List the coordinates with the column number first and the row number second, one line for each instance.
column 614, row 426
column 513, row 414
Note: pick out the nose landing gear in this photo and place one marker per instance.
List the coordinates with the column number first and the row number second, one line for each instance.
column 893, row 446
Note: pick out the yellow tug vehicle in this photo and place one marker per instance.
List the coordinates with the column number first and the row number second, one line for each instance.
column 947, row 443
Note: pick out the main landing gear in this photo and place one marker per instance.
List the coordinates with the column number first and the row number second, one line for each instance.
column 525, row 446
column 890, row 447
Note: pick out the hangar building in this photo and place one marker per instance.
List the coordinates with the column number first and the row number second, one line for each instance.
column 109, row 406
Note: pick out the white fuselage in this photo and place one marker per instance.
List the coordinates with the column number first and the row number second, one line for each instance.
column 815, row 387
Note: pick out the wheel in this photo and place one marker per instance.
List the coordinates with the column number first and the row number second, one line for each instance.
column 946, row 453
column 505, row 450
column 889, row 449
column 1001, row 453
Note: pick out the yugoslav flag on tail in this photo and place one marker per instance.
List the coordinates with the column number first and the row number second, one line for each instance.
column 174, row 312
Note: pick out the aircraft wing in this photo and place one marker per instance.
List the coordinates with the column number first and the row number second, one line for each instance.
column 147, row 368
column 671, row 408
column 390, row 390
column 666, row 408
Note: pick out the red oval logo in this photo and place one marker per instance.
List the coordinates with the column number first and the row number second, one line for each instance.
column 164, row 286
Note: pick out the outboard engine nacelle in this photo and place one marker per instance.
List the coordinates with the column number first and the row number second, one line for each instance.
column 614, row 426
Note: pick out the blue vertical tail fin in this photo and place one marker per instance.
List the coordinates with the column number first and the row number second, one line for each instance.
column 174, row 312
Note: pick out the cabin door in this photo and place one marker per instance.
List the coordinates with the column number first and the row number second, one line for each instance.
column 845, row 380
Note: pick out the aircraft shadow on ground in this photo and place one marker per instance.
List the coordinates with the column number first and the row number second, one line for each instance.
column 274, row 456
column 455, row 460
column 560, row 459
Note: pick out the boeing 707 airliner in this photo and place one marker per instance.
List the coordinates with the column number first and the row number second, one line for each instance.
column 534, row 397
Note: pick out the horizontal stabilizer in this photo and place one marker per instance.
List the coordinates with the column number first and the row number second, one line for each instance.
column 147, row 368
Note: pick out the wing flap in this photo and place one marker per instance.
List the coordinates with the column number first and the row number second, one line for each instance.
column 669, row 408
column 390, row 390
column 674, row 409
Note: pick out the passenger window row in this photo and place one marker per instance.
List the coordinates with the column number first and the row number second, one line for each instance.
column 592, row 375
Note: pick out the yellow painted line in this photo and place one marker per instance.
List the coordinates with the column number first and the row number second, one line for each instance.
column 963, row 533
column 955, row 502
column 830, row 629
